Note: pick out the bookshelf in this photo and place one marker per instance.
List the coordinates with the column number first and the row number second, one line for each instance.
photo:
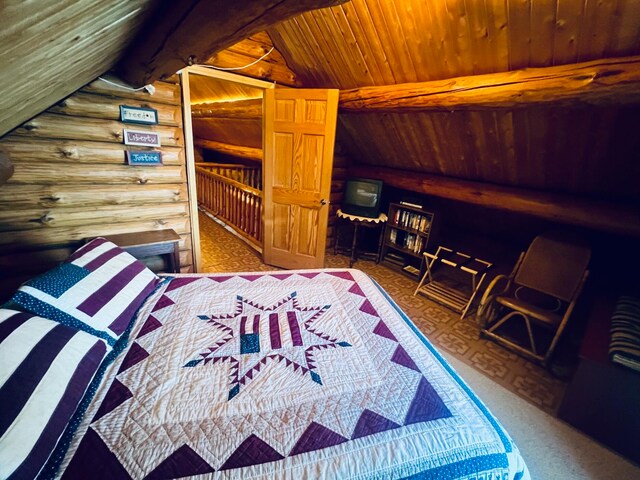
column 406, row 236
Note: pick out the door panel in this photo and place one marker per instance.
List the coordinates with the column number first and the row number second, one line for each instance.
column 298, row 158
column 281, row 237
column 308, row 232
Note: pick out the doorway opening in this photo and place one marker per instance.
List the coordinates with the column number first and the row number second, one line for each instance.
column 223, row 125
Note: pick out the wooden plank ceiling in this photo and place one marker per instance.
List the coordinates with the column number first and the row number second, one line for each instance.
column 582, row 150
column 51, row 48
column 383, row 42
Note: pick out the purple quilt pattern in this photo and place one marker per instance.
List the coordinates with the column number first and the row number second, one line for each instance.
column 260, row 372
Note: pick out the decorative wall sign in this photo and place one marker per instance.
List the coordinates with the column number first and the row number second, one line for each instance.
column 144, row 157
column 145, row 139
column 147, row 116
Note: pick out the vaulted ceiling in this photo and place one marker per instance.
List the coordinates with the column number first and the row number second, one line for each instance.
column 48, row 52
column 382, row 42
column 579, row 149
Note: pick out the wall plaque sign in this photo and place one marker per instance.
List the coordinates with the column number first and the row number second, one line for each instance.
column 145, row 139
column 147, row 116
column 144, row 157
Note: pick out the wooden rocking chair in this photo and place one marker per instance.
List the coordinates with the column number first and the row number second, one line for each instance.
column 542, row 290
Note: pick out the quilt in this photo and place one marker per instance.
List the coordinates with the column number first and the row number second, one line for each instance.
column 296, row 374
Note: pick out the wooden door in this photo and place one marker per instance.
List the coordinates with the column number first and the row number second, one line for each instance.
column 299, row 136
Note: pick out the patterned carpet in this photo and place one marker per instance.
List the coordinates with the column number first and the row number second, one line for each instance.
column 224, row 252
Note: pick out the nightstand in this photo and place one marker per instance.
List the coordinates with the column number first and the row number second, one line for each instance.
column 150, row 243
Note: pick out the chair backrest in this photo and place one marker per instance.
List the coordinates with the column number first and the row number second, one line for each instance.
column 554, row 264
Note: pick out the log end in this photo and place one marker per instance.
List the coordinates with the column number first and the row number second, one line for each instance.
column 6, row 167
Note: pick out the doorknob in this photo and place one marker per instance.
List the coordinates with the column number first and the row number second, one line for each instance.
column 323, row 202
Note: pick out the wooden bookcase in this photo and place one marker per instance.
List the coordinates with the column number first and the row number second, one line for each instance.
column 406, row 237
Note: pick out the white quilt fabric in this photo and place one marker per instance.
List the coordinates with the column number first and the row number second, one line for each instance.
column 308, row 374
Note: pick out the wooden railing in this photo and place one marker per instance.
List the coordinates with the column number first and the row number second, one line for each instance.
column 250, row 176
column 237, row 204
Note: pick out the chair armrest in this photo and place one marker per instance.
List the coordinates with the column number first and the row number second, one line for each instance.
column 484, row 309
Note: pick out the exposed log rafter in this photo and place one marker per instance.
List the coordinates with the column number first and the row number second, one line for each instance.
column 191, row 32
column 610, row 217
column 242, row 109
column 602, row 82
column 6, row 167
column 246, row 53
column 248, row 153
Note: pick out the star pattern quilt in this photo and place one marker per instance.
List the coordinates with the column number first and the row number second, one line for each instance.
column 296, row 374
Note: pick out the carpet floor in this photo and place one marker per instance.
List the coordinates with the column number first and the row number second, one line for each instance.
column 222, row 251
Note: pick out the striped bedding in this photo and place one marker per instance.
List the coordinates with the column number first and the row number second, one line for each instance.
column 297, row 374
column 624, row 347
column 45, row 368
column 97, row 289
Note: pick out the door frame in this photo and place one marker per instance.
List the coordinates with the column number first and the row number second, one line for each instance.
column 187, row 127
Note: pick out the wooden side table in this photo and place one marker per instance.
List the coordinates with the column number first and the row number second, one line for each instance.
column 152, row 242
column 357, row 222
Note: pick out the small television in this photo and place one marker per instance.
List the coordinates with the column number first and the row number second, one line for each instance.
column 362, row 197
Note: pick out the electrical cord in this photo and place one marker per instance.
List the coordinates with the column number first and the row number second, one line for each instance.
column 237, row 68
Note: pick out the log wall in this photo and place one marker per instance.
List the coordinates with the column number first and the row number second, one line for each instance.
column 72, row 182
column 338, row 179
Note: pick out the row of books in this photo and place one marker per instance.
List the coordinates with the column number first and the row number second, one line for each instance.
column 416, row 221
column 409, row 241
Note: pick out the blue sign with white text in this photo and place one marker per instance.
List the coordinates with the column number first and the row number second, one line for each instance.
column 144, row 158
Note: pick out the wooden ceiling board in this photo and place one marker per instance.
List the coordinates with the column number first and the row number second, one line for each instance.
column 208, row 90
column 374, row 54
column 50, row 49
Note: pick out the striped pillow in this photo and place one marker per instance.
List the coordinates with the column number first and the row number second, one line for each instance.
column 624, row 347
column 97, row 289
column 45, row 368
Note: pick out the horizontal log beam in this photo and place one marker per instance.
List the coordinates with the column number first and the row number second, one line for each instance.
column 43, row 150
column 19, row 220
column 610, row 217
column 99, row 106
column 43, row 174
column 612, row 81
column 248, row 153
column 164, row 92
column 190, row 32
column 52, row 125
column 70, row 196
column 242, row 109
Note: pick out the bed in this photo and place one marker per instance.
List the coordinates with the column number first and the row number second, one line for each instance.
column 288, row 374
